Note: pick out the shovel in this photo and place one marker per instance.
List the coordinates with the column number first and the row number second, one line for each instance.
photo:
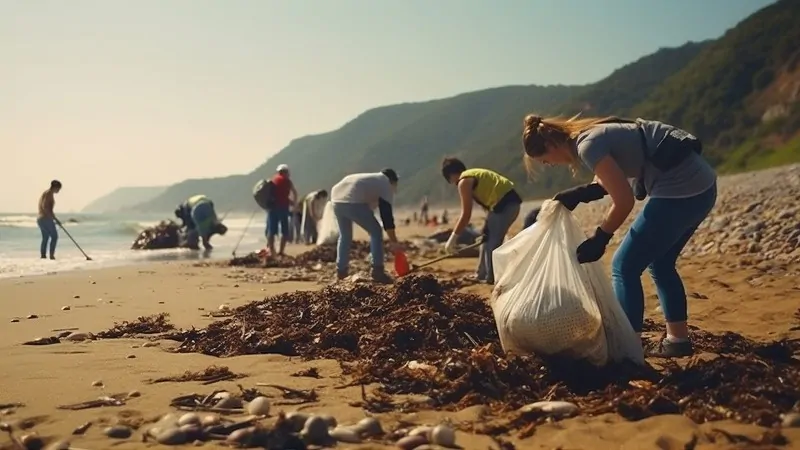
column 401, row 264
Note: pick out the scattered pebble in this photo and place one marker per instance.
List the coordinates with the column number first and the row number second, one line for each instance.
column 224, row 307
column 171, row 436
column 14, row 320
column 421, row 431
column 557, row 408
column 93, row 282
column 131, row 356
column 369, row 426
column 791, row 420
column 65, row 308
column 229, row 403
column 241, row 437
column 150, row 344
column 189, row 419
column 58, row 445
column 443, row 435
column 259, row 406
column 345, row 434
column 32, row 316
column 297, row 419
column 134, row 394
column 78, row 337
column 98, row 383
column 118, row 432
column 315, row 431
column 210, row 420
column 134, row 346
column 329, row 419
column 76, row 296
column 31, row 441
column 411, row 442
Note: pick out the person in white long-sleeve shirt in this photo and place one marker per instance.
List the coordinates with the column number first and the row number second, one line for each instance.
column 354, row 199
column 313, row 206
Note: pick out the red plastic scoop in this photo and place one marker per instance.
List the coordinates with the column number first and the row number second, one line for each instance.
column 401, row 263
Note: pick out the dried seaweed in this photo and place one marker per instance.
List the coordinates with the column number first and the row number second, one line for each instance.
column 209, row 375
column 417, row 338
column 311, row 372
column 154, row 324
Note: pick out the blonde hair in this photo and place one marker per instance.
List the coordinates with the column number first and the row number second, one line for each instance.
column 539, row 133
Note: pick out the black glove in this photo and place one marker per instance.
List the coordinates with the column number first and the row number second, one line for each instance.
column 581, row 194
column 593, row 248
column 530, row 218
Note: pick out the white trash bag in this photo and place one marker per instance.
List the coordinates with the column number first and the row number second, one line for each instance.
column 545, row 302
column 327, row 228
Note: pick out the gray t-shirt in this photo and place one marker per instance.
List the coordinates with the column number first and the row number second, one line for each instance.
column 363, row 188
column 623, row 143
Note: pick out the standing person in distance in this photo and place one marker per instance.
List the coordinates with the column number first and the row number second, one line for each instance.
column 496, row 194
column 313, row 206
column 284, row 195
column 46, row 220
column 666, row 164
column 354, row 200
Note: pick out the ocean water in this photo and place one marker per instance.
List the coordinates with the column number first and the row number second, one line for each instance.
column 107, row 240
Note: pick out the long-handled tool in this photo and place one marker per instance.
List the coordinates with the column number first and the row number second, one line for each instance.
column 414, row 268
column 72, row 239
column 246, row 227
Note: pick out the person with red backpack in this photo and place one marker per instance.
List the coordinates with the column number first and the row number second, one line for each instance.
column 283, row 195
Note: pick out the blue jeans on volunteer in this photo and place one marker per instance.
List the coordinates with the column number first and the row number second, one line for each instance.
column 680, row 198
column 47, row 226
column 352, row 200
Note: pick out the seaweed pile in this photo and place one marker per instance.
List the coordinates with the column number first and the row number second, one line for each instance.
column 415, row 337
column 155, row 324
column 326, row 253
column 164, row 235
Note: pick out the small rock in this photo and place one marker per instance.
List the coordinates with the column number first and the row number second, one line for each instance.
column 131, row 356
column 189, row 419
column 32, row 316
column 78, row 337
column 557, row 408
column 315, row 431
column 259, row 406
column 134, row 394
column 98, row 383
column 134, row 346
column 411, row 442
column 31, row 441
column 345, row 434
column 118, row 432
column 421, row 431
column 443, row 435
column 369, row 426
column 229, row 403
column 76, row 296
column 791, row 420
column 171, row 436
column 241, row 437
column 297, row 419
column 329, row 419
column 58, row 445
column 65, row 308
column 150, row 344
column 5, row 427
column 14, row 320
column 209, row 420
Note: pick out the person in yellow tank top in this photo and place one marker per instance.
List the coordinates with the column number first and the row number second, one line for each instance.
column 496, row 194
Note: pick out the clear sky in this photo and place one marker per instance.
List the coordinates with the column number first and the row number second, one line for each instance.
column 108, row 93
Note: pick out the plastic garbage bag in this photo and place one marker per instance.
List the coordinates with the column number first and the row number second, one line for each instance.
column 545, row 302
column 328, row 228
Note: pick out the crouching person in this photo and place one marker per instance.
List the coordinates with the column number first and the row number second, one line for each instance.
column 205, row 221
column 493, row 192
column 354, row 200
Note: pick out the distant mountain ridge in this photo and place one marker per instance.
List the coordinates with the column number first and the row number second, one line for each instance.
column 123, row 198
column 740, row 93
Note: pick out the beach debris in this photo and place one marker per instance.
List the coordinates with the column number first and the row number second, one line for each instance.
column 65, row 308
column 131, row 356
column 791, row 420
column 113, row 400
column 311, row 372
column 50, row 340
column 153, row 324
column 74, row 336
column 134, row 394
column 31, row 441
column 97, row 383
column 443, row 435
column 15, row 320
column 299, row 396
column 82, row 429
column 209, row 375
column 164, row 235
column 32, row 316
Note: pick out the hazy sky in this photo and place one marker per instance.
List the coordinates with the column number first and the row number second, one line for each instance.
column 108, row 93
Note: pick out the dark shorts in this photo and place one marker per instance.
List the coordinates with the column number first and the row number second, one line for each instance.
column 278, row 217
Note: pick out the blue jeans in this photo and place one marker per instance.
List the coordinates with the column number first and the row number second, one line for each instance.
column 278, row 217
column 362, row 215
column 655, row 240
column 497, row 225
column 49, row 232
column 204, row 218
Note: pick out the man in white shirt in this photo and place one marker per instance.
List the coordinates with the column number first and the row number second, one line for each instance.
column 354, row 200
column 313, row 206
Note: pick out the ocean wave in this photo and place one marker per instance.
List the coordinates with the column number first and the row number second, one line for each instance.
column 128, row 228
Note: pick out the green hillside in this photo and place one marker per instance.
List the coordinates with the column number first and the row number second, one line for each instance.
column 738, row 93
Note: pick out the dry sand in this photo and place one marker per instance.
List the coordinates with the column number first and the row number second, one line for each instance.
column 725, row 295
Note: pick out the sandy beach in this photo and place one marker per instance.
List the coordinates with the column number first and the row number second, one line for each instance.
column 731, row 289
